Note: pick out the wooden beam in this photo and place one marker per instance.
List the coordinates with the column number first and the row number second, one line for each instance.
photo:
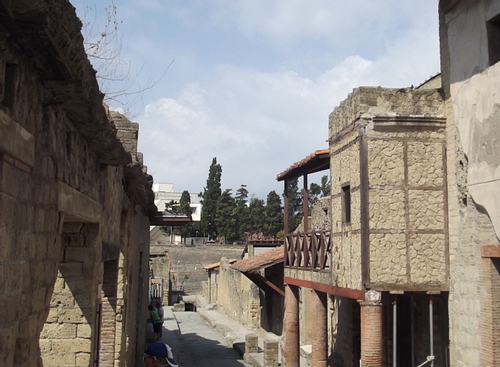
column 325, row 288
column 264, row 283
column 490, row 251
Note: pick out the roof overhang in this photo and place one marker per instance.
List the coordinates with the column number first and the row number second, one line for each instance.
column 315, row 162
column 251, row 268
column 171, row 220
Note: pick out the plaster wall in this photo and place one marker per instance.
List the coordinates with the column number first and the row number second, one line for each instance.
column 472, row 100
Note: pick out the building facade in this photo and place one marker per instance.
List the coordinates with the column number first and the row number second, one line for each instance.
column 374, row 285
column 74, row 202
column 469, row 37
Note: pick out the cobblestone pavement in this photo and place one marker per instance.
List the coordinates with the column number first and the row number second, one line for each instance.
column 197, row 344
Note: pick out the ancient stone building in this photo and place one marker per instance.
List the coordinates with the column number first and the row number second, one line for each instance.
column 470, row 51
column 74, row 202
column 384, row 258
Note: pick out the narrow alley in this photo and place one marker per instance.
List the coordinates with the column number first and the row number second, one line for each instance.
column 195, row 343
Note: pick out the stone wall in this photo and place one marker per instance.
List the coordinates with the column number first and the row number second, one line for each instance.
column 470, row 84
column 64, row 211
column 387, row 152
column 237, row 296
column 188, row 264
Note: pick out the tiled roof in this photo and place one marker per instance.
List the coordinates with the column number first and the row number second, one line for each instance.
column 315, row 162
column 216, row 265
column 264, row 259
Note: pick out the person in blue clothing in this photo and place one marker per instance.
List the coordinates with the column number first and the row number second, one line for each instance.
column 159, row 355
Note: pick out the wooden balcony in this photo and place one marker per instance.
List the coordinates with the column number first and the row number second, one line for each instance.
column 308, row 251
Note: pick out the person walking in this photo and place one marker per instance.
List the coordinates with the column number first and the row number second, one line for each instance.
column 161, row 313
column 156, row 321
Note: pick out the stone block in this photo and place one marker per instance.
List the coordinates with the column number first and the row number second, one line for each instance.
column 271, row 348
column 58, row 360
column 75, row 345
column 74, row 316
column 53, row 315
column 7, row 239
column 45, row 346
column 59, row 284
column 84, row 331
column 70, row 269
column 59, row 331
column 8, row 336
column 80, row 254
column 82, row 360
column 62, row 299
column 251, row 343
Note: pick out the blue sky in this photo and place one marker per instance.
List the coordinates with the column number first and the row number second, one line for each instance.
column 252, row 82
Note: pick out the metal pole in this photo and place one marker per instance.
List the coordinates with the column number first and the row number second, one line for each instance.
column 412, row 315
column 394, row 332
column 431, row 330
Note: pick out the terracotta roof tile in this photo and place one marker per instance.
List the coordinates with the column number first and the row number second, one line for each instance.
column 315, row 162
column 264, row 259
column 216, row 265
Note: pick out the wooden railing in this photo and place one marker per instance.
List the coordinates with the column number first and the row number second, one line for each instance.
column 308, row 251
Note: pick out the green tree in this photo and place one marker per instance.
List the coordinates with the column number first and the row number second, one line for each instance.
column 273, row 214
column 185, row 208
column 210, row 195
column 242, row 212
column 257, row 216
column 295, row 211
column 224, row 218
column 318, row 191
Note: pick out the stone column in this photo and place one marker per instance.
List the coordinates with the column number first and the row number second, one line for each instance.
column 292, row 343
column 271, row 353
column 319, row 355
column 371, row 330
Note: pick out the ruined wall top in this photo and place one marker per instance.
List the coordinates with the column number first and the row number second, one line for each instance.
column 364, row 103
column 47, row 33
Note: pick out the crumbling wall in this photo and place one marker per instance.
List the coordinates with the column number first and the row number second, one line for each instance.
column 237, row 296
column 63, row 207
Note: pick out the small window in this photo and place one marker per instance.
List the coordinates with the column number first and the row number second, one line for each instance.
column 493, row 32
column 346, row 204
column 9, row 91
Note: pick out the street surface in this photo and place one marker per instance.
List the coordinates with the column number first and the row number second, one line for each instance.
column 197, row 344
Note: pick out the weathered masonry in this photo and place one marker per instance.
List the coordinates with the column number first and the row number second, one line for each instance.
column 383, row 263
column 471, row 88
column 74, row 203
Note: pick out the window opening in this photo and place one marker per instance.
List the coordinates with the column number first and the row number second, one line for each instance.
column 346, row 204
column 493, row 34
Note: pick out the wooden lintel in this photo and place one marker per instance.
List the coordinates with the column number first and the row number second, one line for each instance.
column 409, row 287
column 490, row 251
column 264, row 283
column 325, row 288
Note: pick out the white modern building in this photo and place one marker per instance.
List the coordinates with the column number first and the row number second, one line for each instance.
column 164, row 193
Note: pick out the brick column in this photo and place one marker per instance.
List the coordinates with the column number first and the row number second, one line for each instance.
column 319, row 355
column 292, row 343
column 371, row 330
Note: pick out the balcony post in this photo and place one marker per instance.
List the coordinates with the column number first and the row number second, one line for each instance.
column 292, row 342
column 319, row 354
column 305, row 201
column 285, row 194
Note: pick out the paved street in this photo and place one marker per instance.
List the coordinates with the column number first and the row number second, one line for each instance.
column 196, row 344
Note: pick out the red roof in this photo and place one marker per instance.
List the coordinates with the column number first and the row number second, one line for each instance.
column 264, row 259
column 216, row 265
column 315, row 162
